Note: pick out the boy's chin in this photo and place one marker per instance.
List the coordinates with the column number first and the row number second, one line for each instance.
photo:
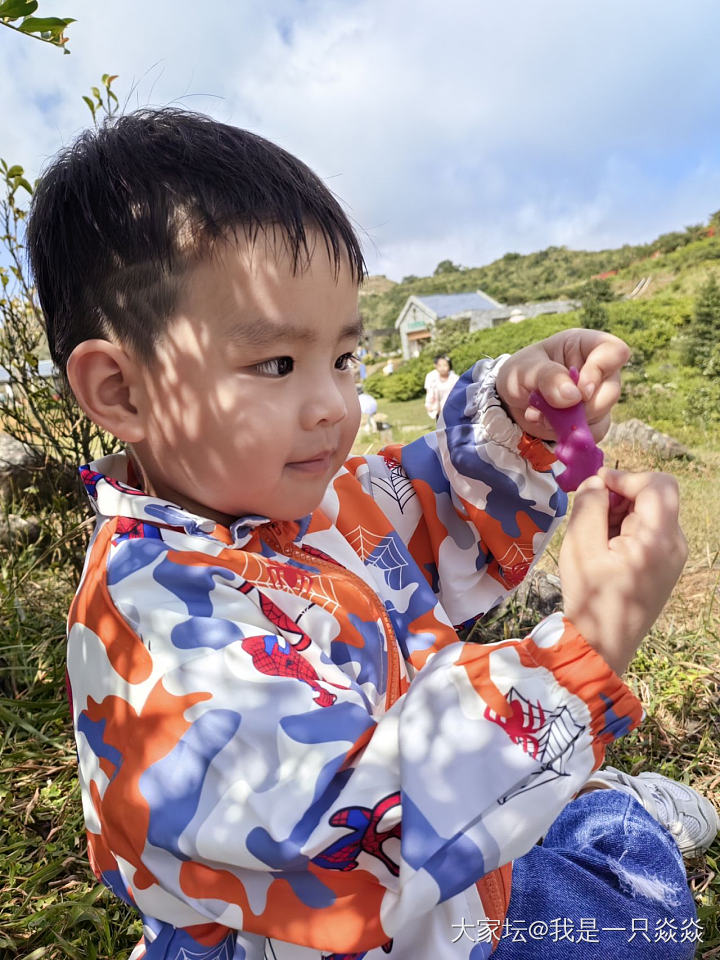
column 289, row 510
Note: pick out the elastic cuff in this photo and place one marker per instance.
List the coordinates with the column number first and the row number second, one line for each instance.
column 486, row 411
column 614, row 708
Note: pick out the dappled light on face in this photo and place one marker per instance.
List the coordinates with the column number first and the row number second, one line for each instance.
column 251, row 401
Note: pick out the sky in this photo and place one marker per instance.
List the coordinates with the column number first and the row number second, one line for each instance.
column 459, row 130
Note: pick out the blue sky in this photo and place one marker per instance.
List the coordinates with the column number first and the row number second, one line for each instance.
column 462, row 129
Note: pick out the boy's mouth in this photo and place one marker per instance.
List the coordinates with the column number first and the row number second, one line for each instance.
column 316, row 464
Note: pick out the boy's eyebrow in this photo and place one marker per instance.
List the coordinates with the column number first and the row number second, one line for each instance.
column 262, row 332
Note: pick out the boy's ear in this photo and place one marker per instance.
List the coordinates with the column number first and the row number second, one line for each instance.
column 106, row 384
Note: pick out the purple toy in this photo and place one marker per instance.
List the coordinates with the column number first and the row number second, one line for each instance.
column 575, row 445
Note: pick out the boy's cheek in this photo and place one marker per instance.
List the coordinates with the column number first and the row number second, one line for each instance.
column 350, row 427
column 355, row 414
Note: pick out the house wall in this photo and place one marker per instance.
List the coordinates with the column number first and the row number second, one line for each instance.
column 416, row 320
column 480, row 320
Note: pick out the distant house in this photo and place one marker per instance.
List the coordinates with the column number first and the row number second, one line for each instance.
column 420, row 315
column 520, row 311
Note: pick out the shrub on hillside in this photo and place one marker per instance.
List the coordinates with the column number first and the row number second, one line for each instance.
column 703, row 403
column 649, row 327
column 667, row 242
column 703, row 331
column 594, row 315
column 599, row 290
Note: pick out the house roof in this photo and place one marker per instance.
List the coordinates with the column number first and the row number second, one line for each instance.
column 448, row 304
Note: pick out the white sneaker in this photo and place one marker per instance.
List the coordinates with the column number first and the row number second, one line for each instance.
column 689, row 817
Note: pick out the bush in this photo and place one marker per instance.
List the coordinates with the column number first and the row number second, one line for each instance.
column 406, row 384
column 39, row 411
column 594, row 315
column 649, row 327
column 704, row 329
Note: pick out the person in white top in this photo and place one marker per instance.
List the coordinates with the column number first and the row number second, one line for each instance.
column 438, row 384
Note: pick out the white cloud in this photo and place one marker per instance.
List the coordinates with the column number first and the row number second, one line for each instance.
column 460, row 130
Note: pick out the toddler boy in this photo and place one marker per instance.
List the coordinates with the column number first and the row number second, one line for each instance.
column 284, row 750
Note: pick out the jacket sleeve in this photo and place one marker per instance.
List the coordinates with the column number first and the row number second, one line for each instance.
column 232, row 777
column 475, row 500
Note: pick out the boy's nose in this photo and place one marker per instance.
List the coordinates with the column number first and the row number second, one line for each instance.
column 324, row 401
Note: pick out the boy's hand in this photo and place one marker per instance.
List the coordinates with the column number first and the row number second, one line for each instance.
column 544, row 366
column 618, row 566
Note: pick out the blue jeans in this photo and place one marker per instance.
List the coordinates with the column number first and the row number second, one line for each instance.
column 608, row 882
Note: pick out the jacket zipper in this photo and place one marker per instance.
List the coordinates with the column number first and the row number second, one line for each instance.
column 393, row 687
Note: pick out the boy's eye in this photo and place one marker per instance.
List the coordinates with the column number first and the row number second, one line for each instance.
column 277, row 367
column 346, row 360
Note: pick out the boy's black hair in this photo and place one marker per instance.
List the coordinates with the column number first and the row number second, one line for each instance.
column 120, row 215
column 442, row 356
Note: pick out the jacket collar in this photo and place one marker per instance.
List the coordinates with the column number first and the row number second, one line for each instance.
column 109, row 484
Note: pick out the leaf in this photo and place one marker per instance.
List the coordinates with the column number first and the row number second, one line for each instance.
column 91, row 105
column 22, row 182
column 52, row 25
column 13, row 9
column 15, row 171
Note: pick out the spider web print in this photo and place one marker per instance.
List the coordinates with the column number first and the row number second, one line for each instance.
column 322, row 594
column 381, row 552
column 515, row 555
column 223, row 951
column 397, row 486
column 549, row 733
column 318, row 589
column 514, row 564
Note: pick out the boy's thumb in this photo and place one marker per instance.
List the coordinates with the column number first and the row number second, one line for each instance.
column 588, row 523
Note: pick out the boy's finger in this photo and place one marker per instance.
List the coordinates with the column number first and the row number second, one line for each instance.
column 655, row 496
column 588, row 522
column 604, row 361
column 604, row 399
column 556, row 386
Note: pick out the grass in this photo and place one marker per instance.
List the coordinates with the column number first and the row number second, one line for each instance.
column 50, row 905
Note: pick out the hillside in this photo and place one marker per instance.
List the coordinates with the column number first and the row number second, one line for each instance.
column 678, row 261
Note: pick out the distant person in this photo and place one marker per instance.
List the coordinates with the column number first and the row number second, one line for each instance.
column 368, row 409
column 438, row 384
column 389, row 368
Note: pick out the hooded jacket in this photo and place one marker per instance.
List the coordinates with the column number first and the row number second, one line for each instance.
column 284, row 749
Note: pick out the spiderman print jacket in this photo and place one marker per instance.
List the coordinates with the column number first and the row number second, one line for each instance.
column 284, row 749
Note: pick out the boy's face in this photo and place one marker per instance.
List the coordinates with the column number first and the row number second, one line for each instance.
column 250, row 405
